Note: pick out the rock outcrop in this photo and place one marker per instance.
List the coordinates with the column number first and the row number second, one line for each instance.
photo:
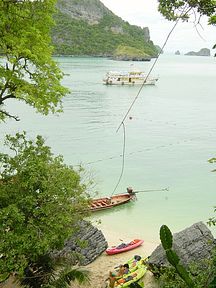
column 131, row 58
column 88, row 27
column 91, row 11
column 159, row 49
column 89, row 242
column 191, row 244
column 201, row 52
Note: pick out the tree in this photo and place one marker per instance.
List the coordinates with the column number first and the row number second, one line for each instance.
column 41, row 202
column 41, row 199
column 27, row 71
column 184, row 9
column 212, row 220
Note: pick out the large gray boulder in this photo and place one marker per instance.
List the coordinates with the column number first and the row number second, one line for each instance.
column 191, row 244
column 89, row 242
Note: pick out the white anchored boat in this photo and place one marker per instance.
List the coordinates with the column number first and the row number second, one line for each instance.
column 128, row 78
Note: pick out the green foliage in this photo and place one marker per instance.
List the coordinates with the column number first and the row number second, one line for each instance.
column 41, row 198
column 212, row 21
column 43, row 274
column 27, row 71
column 39, row 272
column 77, row 37
column 166, row 241
column 203, row 274
column 129, row 51
column 68, row 275
column 166, row 237
column 212, row 160
column 41, row 202
column 184, row 9
column 170, row 279
column 173, row 258
column 212, row 220
column 188, row 9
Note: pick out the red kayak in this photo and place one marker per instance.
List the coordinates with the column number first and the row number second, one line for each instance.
column 123, row 247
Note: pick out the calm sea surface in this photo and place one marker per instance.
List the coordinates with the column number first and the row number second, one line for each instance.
column 170, row 135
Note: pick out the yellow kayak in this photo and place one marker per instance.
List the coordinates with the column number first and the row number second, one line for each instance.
column 132, row 277
column 137, row 270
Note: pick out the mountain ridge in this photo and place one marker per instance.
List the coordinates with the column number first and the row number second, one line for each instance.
column 88, row 27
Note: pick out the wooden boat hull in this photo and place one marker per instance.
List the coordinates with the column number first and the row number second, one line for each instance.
column 117, row 249
column 151, row 81
column 109, row 202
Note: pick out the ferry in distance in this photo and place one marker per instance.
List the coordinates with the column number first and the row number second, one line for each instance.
column 128, row 78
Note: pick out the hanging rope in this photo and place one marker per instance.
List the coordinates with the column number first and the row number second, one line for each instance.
column 154, row 63
column 139, row 91
column 123, row 159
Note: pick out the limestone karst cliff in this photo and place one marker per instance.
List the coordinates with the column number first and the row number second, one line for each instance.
column 87, row 27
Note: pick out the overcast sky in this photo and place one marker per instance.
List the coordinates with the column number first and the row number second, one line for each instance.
column 144, row 13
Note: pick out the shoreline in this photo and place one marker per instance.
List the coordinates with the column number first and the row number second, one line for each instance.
column 100, row 267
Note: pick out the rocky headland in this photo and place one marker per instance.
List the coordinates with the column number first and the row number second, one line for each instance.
column 201, row 52
column 89, row 28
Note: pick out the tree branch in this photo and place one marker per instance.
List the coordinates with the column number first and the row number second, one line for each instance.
column 9, row 115
column 6, row 97
column 9, row 96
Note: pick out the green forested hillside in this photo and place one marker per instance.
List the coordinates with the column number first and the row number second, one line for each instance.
column 100, row 35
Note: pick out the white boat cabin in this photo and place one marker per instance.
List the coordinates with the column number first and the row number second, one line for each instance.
column 128, row 78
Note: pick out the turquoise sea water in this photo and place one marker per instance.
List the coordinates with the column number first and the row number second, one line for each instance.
column 169, row 139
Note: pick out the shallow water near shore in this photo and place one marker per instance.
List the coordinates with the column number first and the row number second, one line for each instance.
column 170, row 135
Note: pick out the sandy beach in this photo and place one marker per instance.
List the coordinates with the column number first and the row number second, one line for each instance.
column 99, row 269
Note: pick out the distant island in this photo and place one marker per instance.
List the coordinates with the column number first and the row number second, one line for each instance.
column 177, row 52
column 88, row 28
column 201, row 52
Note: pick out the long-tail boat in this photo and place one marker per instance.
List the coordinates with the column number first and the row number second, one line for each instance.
column 115, row 200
